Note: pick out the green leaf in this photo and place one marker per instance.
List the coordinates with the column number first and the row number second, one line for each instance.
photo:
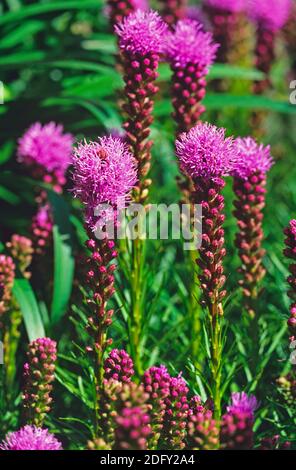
column 20, row 58
column 16, row 36
column 235, row 72
column 41, row 8
column 26, row 299
column 63, row 257
column 252, row 102
column 9, row 196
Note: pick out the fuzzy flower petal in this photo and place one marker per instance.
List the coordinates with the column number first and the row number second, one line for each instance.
column 142, row 33
column 241, row 402
column 205, row 152
column 252, row 158
column 228, row 5
column 46, row 146
column 31, row 438
column 104, row 172
column 189, row 44
column 271, row 15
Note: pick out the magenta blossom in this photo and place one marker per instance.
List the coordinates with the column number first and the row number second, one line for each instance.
column 119, row 366
column 205, row 152
column 46, row 146
column 104, row 172
column 227, row 5
column 252, row 158
column 243, row 403
column 142, row 33
column 270, row 15
column 189, row 44
column 31, row 438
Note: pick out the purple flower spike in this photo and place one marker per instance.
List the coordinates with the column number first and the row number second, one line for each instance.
column 132, row 429
column 252, row 158
column 271, row 16
column 189, row 44
column 47, row 147
column 232, row 6
column 7, row 275
column 104, row 172
column 290, row 253
column 204, row 152
column 119, row 366
column 31, row 438
column 241, row 402
column 142, row 33
column 117, row 9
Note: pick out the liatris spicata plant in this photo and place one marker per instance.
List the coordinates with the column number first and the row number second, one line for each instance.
column 119, row 366
column 132, row 429
column 230, row 29
column 176, row 412
column 254, row 161
column 173, row 10
column 156, row 383
column 104, row 173
column 237, row 423
column 207, row 156
column 191, row 52
column 290, row 253
column 31, row 438
column 46, row 151
column 290, row 38
column 7, row 275
column 119, row 9
column 38, row 378
column 21, row 251
column 203, row 432
column 269, row 19
column 141, row 38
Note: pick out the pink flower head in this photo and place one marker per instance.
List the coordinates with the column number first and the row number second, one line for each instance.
column 142, row 33
column 251, row 158
column 270, row 15
column 204, row 152
column 119, row 366
column 31, row 438
column 189, row 44
column 104, row 172
column 156, row 381
column 232, row 6
column 241, row 402
column 46, row 146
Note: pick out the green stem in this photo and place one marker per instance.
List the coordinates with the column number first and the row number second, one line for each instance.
column 195, row 312
column 216, row 357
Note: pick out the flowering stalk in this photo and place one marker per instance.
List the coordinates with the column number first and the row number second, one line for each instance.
column 21, row 251
column 7, row 275
column 190, row 52
column 118, row 9
column 173, row 10
column 268, row 20
column 118, row 366
column 290, row 37
column 249, row 173
column 175, row 418
column 156, row 383
column 207, row 156
column 38, row 378
column 41, row 228
column 31, row 438
column 290, row 253
column 132, row 429
column 104, row 174
column 141, row 37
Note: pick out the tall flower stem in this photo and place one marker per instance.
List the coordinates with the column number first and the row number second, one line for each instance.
column 141, row 38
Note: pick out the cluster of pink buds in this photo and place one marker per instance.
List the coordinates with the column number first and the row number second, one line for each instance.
column 203, row 432
column 41, row 229
column 249, row 173
column 290, row 37
column 175, row 419
column 156, row 383
column 38, row 378
column 141, row 38
column 21, row 251
column 290, row 253
column 119, row 9
column 7, row 275
column 173, row 10
column 132, row 429
column 119, row 366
